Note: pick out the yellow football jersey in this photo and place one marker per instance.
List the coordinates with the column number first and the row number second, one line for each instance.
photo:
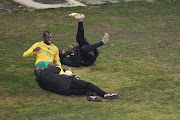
column 47, row 53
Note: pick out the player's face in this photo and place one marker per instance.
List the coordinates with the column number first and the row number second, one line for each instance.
column 62, row 51
column 48, row 39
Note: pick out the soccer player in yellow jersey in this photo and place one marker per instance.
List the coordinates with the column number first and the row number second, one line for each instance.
column 46, row 52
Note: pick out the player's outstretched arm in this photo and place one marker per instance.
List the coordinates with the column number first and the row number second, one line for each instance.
column 31, row 50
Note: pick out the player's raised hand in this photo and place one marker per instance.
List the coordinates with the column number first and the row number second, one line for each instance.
column 70, row 49
column 36, row 49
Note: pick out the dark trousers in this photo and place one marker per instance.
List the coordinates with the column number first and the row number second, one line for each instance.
column 87, row 50
column 80, row 87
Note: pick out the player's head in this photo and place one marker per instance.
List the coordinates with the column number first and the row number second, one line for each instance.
column 37, row 70
column 62, row 51
column 47, row 37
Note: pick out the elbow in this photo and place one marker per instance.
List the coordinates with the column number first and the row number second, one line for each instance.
column 24, row 55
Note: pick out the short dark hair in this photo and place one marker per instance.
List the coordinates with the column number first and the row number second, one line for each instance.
column 37, row 70
column 46, row 33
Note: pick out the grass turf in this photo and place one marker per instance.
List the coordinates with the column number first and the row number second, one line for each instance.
column 141, row 62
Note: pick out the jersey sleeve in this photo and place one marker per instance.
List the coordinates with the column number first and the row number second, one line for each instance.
column 56, row 57
column 30, row 50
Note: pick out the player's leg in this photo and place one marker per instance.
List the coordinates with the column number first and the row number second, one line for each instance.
column 51, row 65
column 90, row 51
column 46, row 64
column 80, row 87
column 43, row 64
column 77, row 88
column 100, row 92
column 80, row 33
column 91, row 47
column 81, row 84
column 81, row 40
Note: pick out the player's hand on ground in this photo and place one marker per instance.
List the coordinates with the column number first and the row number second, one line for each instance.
column 36, row 49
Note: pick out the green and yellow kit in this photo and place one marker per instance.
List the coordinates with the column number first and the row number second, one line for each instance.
column 48, row 53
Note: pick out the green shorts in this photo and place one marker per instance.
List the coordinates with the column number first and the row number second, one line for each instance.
column 43, row 64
